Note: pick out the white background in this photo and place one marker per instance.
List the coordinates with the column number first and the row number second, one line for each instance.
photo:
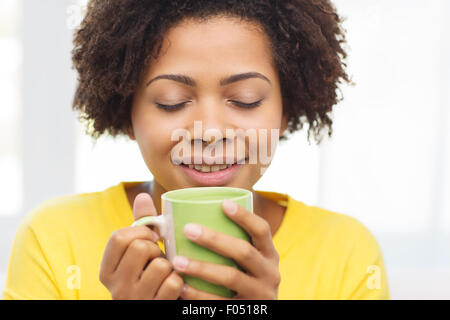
column 386, row 165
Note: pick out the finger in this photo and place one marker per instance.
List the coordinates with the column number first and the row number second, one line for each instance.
column 190, row 293
column 135, row 259
column 241, row 251
column 171, row 287
column 143, row 206
column 153, row 276
column 118, row 243
column 226, row 276
column 256, row 227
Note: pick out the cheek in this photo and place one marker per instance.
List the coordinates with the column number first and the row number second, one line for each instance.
column 263, row 141
column 152, row 133
column 267, row 116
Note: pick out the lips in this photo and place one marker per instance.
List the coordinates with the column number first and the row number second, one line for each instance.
column 210, row 179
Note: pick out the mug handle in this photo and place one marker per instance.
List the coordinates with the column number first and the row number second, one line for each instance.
column 157, row 221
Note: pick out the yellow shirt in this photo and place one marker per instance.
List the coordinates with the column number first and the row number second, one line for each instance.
column 59, row 246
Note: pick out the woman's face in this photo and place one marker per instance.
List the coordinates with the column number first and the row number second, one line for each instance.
column 207, row 53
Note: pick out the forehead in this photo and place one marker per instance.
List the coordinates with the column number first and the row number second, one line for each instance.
column 221, row 44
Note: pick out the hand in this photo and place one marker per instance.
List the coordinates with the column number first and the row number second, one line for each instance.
column 260, row 260
column 133, row 265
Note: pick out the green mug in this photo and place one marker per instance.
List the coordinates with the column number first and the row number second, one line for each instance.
column 202, row 205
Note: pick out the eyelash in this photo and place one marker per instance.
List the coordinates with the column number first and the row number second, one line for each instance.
column 239, row 104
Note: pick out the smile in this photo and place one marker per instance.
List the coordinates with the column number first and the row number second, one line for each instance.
column 207, row 168
column 214, row 175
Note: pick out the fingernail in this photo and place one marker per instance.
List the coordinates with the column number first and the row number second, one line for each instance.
column 180, row 262
column 192, row 231
column 229, row 206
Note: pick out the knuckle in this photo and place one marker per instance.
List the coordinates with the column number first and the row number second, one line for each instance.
column 104, row 278
column 174, row 282
column 277, row 279
column 146, row 232
column 263, row 229
column 119, row 292
column 117, row 237
column 190, row 295
column 233, row 278
column 146, row 247
column 161, row 264
column 268, row 294
column 140, row 245
column 276, row 257
column 247, row 251
column 154, row 251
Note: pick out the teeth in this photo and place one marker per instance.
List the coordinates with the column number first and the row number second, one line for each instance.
column 206, row 168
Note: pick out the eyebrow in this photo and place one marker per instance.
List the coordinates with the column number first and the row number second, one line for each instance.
column 223, row 82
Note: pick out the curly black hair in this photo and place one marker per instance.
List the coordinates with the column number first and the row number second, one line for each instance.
column 114, row 43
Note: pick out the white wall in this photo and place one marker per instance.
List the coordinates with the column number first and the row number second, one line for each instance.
column 45, row 127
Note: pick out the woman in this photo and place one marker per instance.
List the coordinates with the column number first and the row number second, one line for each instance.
column 149, row 68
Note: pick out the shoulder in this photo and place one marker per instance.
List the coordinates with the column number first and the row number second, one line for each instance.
column 340, row 229
column 336, row 219
column 62, row 208
column 344, row 225
column 343, row 249
column 67, row 218
column 81, row 217
column 356, row 251
column 58, row 226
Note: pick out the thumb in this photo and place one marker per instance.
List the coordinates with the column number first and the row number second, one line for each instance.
column 143, row 206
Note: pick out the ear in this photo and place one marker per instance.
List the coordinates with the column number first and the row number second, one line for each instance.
column 130, row 133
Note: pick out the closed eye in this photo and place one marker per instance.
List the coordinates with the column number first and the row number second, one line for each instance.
column 237, row 103
column 247, row 105
column 170, row 107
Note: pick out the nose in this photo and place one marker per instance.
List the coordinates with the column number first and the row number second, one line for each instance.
column 208, row 122
column 212, row 135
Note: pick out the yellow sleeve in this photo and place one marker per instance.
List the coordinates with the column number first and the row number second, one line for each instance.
column 29, row 274
column 365, row 276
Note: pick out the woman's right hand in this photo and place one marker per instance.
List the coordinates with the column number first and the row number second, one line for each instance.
column 133, row 265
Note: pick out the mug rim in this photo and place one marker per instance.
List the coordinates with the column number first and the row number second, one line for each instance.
column 241, row 193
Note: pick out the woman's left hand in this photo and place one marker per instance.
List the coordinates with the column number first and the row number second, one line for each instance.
column 260, row 260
